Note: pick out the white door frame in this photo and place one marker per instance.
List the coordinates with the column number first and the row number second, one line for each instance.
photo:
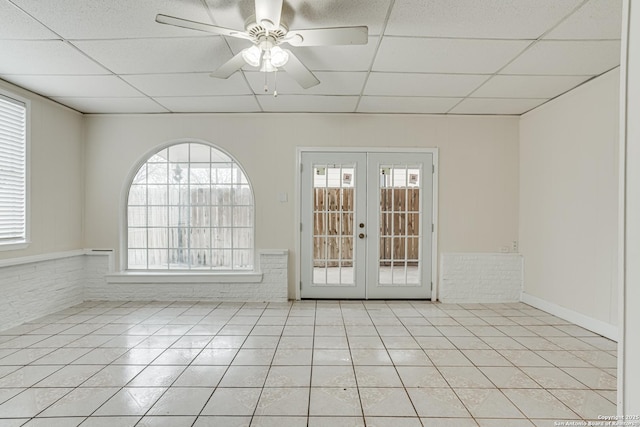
column 434, row 204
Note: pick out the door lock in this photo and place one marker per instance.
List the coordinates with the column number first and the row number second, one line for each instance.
column 361, row 235
column 362, row 225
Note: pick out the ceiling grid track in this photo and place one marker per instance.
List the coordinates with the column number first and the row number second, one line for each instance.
column 564, row 18
column 375, row 54
column 244, row 77
column 436, row 57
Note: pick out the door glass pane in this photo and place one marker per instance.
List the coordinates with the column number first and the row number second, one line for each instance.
column 400, row 231
column 333, row 228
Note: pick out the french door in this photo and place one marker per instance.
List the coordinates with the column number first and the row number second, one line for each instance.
column 366, row 228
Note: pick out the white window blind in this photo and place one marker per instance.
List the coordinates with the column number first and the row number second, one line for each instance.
column 13, row 177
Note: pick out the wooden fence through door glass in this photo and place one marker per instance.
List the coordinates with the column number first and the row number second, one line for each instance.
column 333, row 226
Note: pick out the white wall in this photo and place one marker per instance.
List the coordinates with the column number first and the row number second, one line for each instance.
column 629, row 348
column 568, row 200
column 478, row 167
column 56, row 177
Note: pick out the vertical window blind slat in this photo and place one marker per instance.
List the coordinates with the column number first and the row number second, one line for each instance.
column 12, row 170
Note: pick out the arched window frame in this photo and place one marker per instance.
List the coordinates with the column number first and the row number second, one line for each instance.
column 124, row 246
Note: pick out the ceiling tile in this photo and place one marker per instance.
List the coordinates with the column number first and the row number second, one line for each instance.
column 302, row 14
column 338, row 83
column 446, row 55
column 407, row 84
column 434, row 53
column 398, row 104
column 496, row 106
column 596, row 19
column 156, row 56
column 18, row 25
column 338, row 58
column 528, row 86
column 113, row 19
column 567, row 58
column 44, row 57
column 231, row 13
column 514, row 19
column 209, row 104
column 308, row 103
column 188, row 84
column 327, row 58
column 112, row 105
column 75, row 86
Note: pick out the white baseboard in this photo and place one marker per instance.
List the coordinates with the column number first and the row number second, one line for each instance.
column 599, row 327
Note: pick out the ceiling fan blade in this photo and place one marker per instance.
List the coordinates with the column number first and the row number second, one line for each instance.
column 268, row 13
column 328, row 36
column 229, row 67
column 200, row 26
column 297, row 70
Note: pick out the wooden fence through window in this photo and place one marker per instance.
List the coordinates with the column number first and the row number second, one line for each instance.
column 334, row 221
column 201, row 228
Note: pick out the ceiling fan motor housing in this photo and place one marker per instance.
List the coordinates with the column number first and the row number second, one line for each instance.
column 258, row 33
column 266, row 31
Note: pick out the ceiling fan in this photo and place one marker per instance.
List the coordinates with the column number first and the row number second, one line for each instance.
column 266, row 31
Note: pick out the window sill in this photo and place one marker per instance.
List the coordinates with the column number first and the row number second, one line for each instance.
column 132, row 277
column 14, row 246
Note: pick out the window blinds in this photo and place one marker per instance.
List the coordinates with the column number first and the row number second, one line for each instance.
column 13, row 177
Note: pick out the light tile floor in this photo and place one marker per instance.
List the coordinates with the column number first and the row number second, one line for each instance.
column 324, row 363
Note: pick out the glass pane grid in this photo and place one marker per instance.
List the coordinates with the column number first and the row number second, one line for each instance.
column 189, row 210
column 333, row 215
column 400, row 231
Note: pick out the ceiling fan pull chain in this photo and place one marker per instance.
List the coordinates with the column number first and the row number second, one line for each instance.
column 275, row 83
column 266, row 31
column 266, row 86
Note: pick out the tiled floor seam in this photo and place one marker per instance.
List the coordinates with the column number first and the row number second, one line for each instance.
column 596, row 350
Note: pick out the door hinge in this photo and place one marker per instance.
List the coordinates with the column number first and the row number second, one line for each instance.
column 433, row 168
column 301, row 165
column 300, row 226
column 432, row 286
column 433, row 228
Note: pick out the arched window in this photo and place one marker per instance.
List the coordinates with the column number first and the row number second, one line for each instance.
column 190, row 207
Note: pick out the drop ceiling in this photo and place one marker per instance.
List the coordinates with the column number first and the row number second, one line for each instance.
column 423, row 56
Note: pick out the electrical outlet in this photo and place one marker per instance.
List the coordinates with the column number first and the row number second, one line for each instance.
column 504, row 249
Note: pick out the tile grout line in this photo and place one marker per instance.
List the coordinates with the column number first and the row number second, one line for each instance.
column 533, row 323
column 353, row 366
column 275, row 350
column 142, row 370
column 63, row 366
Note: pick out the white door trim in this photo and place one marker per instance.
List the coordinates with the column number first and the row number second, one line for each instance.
column 298, row 197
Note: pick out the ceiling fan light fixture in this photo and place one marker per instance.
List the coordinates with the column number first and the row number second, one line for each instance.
column 267, row 67
column 278, row 56
column 252, row 55
column 266, row 30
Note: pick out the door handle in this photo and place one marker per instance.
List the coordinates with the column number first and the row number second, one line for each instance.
column 362, row 225
column 361, row 235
